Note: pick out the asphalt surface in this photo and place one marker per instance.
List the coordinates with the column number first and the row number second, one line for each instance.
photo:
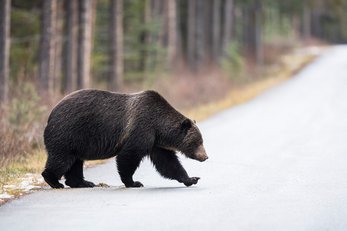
column 278, row 162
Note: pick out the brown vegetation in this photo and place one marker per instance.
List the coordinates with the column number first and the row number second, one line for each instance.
column 21, row 125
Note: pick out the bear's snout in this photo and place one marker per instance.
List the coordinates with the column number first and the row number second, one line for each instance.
column 201, row 154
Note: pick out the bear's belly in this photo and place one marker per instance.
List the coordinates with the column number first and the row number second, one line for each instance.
column 99, row 150
column 97, row 157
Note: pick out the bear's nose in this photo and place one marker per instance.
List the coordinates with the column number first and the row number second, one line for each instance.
column 204, row 158
column 201, row 154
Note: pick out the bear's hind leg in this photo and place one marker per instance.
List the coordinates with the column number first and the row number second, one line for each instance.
column 55, row 168
column 51, row 179
column 74, row 177
column 168, row 165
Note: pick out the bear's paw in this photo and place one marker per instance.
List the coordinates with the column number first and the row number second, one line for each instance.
column 190, row 181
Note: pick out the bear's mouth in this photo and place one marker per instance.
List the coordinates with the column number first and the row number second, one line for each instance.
column 203, row 159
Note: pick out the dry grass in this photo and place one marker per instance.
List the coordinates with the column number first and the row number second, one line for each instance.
column 186, row 90
column 236, row 96
column 21, row 176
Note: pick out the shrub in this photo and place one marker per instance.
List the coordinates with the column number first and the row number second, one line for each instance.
column 233, row 61
column 21, row 124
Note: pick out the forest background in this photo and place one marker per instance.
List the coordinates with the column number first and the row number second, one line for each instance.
column 194, row 52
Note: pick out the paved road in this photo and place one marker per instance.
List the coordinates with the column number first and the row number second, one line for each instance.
column 278, row 162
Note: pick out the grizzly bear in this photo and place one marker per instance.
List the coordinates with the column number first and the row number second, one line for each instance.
column 93, row 124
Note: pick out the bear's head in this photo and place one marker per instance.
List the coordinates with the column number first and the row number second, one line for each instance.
column 191, row 144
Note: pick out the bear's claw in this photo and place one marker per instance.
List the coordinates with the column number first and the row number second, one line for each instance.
column 87, row 184
column 136, row 184
column 81, row 184
column 190, row 181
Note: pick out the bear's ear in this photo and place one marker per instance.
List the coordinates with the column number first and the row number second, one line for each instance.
column 186, row 124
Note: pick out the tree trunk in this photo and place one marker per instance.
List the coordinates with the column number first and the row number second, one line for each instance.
column 85, row 43
column 70, row 54
column 179, row 31
column 295, row 26
column 5, row 11
column 200, row 35
column 208, row 30
column 251, row 31
column 253, row 25
column 316, row 25
column 172, row 32
column 47, row 48
column 116, row 39
column 154, row 38
column 58, row 47
column 147, row 19
column 258, row 29
column 163, row 30
column 191, row 34
column 306, row 21
column 144, row 38
column 216, row 39
column 228, row 24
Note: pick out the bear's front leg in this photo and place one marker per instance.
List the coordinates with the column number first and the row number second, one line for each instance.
column 127, row 163
column 168, row 165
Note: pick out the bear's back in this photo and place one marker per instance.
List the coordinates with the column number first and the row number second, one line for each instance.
column 87, row 101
